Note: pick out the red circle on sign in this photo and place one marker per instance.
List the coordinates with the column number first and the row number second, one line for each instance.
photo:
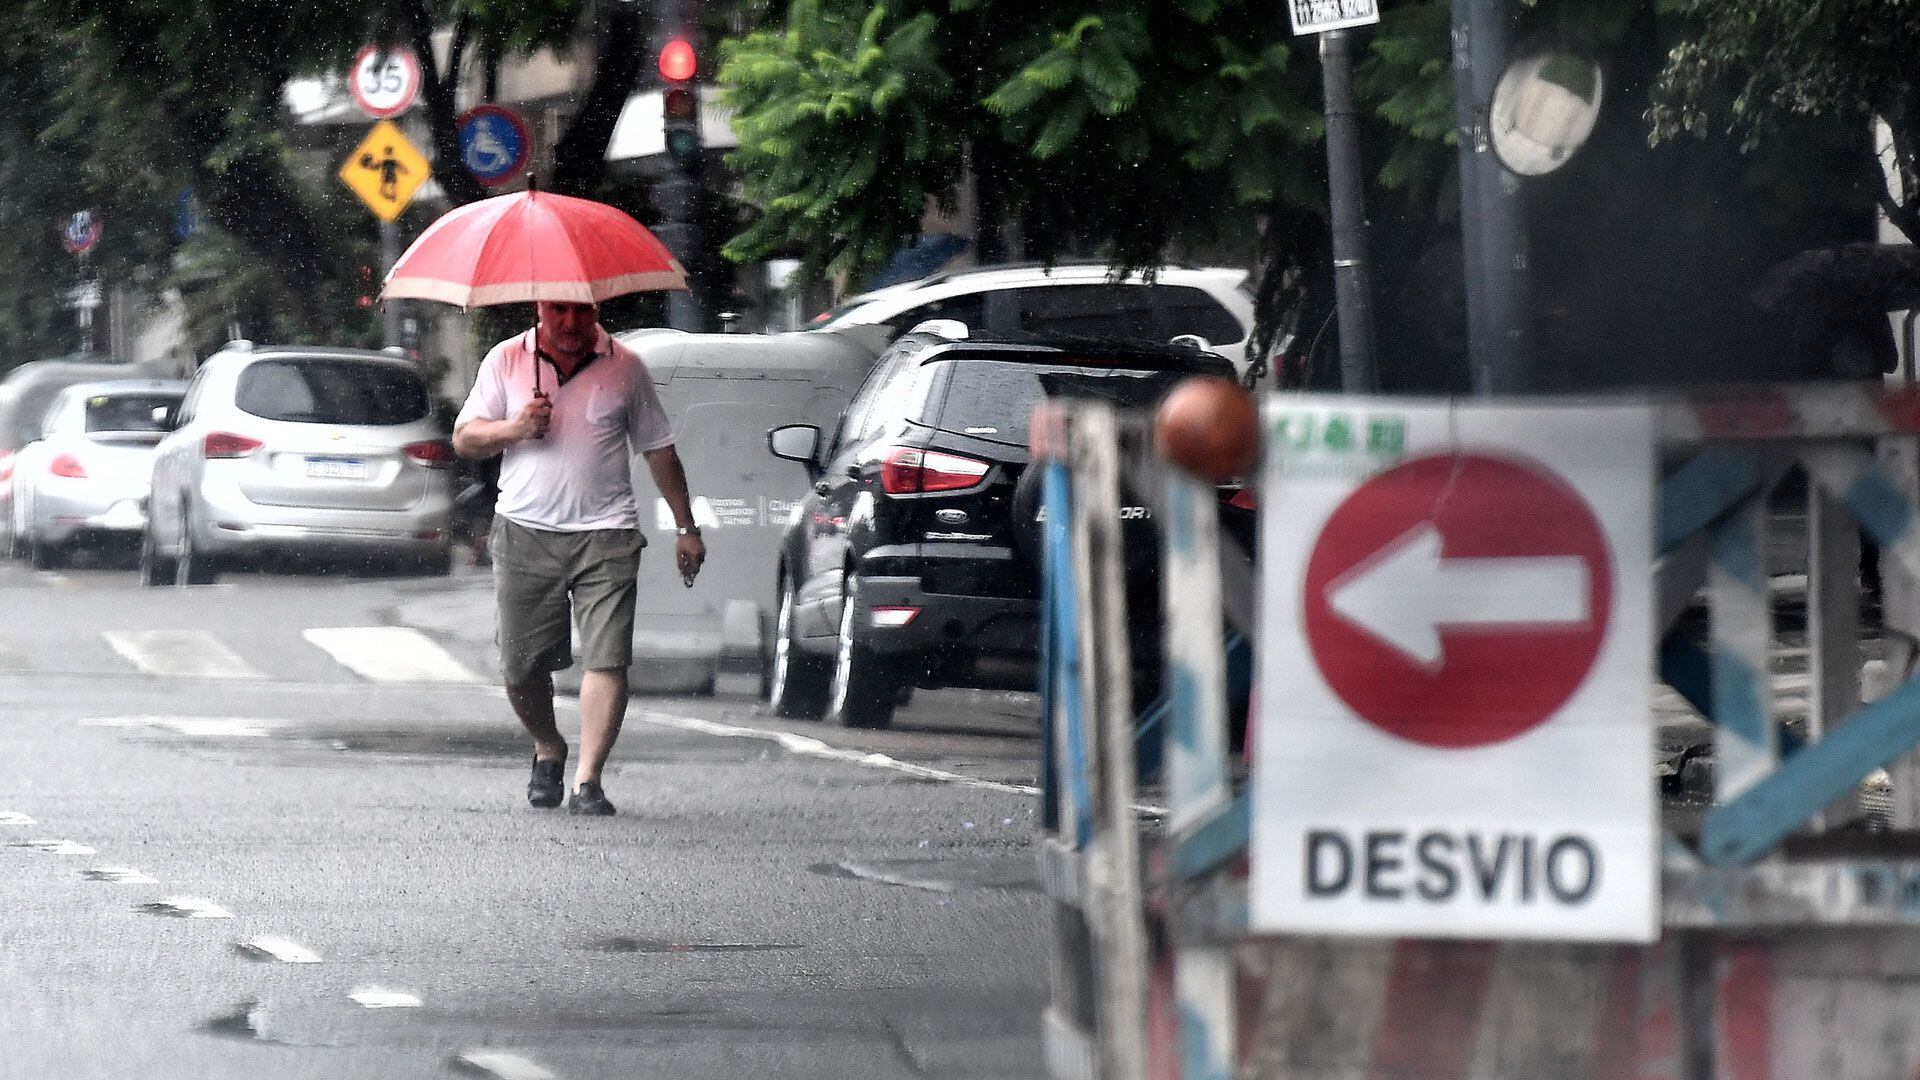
column 1458, row 600
column 384, row 90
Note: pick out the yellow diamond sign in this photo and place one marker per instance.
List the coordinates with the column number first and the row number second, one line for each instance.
column 385, row 170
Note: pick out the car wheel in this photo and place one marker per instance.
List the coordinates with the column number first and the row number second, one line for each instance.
column 796, row 682
column 9, row 535
column 865, row 687
column 42, row 553
column 192, row 567
column 155, row 569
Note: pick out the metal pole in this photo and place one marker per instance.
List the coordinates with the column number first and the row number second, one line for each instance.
column 1492, row 228
column 389, row 254
column 1352, row 290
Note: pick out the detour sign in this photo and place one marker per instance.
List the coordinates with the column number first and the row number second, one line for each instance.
column 1455, row 731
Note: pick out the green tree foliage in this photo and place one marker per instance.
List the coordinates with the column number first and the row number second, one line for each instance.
column 1751, row 69
column 1135, row 129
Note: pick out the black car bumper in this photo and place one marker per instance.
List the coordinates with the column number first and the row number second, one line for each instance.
column 949, row 639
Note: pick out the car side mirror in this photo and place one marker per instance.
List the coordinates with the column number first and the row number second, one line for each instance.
column 797, row 442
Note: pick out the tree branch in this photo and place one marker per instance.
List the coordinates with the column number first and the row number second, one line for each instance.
column 460, row 186
column 581, row 155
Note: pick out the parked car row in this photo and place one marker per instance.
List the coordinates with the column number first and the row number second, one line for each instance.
column 267, row 452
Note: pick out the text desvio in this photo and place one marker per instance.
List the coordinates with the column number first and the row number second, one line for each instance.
column 1439, row 866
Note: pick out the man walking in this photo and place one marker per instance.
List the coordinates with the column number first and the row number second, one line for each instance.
column 566, row 526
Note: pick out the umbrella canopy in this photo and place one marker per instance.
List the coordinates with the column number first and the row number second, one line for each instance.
column 532, row 245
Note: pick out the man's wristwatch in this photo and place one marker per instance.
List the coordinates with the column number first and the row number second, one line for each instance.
column 687, row 530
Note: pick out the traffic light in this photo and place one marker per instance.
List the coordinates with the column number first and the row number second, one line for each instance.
column 680, row 106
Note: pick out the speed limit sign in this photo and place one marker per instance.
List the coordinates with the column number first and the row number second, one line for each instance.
column 385, row 80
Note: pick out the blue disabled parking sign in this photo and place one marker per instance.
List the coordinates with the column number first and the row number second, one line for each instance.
column 494, row 144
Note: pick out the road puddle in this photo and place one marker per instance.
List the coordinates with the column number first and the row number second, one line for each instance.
column 653, row 946
column 243, row 1021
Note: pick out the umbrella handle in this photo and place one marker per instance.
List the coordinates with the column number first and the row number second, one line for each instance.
column 537, row 392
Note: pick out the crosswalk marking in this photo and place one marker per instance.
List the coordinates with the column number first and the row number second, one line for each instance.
column 390, row 654
column 180, row 652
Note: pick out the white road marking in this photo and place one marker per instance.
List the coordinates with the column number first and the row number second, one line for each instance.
column 807, row 746
column 186, row 907
column 56, row 847
column 197, row 653
column 14, row 817
column 118, row 875
column 220, row 727
column 373, row 997
column 501, row 1065
column 390, row 654
column 284, row 950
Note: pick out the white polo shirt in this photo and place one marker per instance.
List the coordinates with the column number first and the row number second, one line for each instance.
column 580, row 476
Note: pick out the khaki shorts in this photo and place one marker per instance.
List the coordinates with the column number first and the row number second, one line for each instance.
column 535, row 574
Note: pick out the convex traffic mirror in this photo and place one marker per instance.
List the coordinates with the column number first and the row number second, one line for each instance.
column 1544, row 107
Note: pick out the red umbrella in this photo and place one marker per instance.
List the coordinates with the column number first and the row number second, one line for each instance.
column 532, row 245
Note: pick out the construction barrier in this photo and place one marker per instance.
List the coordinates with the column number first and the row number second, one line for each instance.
column 1787, row 939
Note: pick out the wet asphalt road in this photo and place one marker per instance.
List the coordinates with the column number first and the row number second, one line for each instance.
column 293, row 864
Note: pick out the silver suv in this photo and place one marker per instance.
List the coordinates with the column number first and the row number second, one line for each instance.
column 328, row 452
column 1070, row 300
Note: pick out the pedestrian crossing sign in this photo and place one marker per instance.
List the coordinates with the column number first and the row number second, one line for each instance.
column 385, row 170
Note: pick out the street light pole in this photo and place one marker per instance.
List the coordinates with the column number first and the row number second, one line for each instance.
column 1492, row 227
column 1352, row 289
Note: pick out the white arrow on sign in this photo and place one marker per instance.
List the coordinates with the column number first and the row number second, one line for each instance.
column 1406, row 592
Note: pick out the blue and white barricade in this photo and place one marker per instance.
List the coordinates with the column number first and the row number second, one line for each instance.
column 1790, row 875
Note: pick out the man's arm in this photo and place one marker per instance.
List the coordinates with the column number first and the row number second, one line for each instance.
column 485, row 438
column 671, row 478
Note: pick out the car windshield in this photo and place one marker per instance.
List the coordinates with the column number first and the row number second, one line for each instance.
column 992, row 399
column 127, row 412
column 332, row 390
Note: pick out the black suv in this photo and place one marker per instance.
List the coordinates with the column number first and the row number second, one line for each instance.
column 915, row 559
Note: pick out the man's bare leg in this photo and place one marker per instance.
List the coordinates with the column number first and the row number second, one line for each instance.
column 532, row 702
column 603, row 706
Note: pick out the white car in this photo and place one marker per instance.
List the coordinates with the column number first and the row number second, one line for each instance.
column 85, row 478
column 1214, row 305
column 298, row 450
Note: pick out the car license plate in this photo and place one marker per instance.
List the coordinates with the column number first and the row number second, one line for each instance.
column 333, row 468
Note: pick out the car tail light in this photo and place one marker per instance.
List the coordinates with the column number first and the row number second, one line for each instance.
column 910, row 470
column 894, row 616
column 225, row 444
column 6, row 465
column 433, row 453
column 1242, row 499
column 67, row 465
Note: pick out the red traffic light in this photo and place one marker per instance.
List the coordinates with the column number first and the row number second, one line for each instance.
column 677, row 60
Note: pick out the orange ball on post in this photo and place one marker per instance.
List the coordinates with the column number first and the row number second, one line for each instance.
column 1210, row 427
